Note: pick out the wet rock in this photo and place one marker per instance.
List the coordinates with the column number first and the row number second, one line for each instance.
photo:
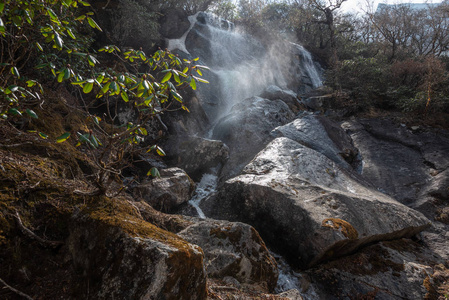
column 246, row 129
column 123, row 257
column 233, row 250
column 291, row 295
column 321, row 134
column 388, row 270
column 197, row 155
column 410, row 166
column 274, row 92
column 173, row 188
column 309, row 208
column 319, row 103
column 174, row 23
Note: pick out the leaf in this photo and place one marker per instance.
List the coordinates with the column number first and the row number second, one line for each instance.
column 66, row 73
column 114, row 86
column 2, row 6
column 193, row 83
column 93, row 24
column 39, row 47
column 43, row 135
column 61, row 75
column 52, row 15
column 92, row 60
column 31, row 83
column 94, row 141
column 166, row 77
column 124, row 96
column 80, row 18
column 31, row 113
column 87, row 88
column 15, row 72
column 69, row 31
column 154, row 172
column 14, row 112
column 143, row 131
column 160, row 151
column 63, row 137
column 59, row 42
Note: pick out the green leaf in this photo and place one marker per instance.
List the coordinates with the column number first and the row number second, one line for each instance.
column 52, row 15
column 66, row 74
column 59, row 42
column 63, row 137
column 94, row 141
column 93, row 24
column 87, row 88
column 2, row 6
column 39, row 47
column 15, row 112
column 143, row 131
column 166, row 77
column 43, row 135
column 31, row 83
column 114, row 86
column 92, row 60
column 80, row 18
column 61, row 76
column 160, row 151
column 124, row 96
column 154, row 172
column 193, row 83
column 31, row 113
column 15, row 72
column 69, row 31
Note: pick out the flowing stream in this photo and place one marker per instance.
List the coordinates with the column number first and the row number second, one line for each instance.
column 240, row 68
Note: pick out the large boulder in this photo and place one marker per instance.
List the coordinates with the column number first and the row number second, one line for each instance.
column 273, row 92
column 233, row 250
column 322, row 135
column 308, row 207
column 197, row 155
column 409, row 165
column 246, row 129
column 387, row 270
column 173, row 188
column 120, row 256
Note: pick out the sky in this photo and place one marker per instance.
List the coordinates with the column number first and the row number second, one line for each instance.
column 360, row 5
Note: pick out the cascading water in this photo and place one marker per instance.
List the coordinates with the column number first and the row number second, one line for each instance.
column 242, row 67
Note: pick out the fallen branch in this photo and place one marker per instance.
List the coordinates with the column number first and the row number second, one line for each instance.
column 15, row 290
column 32, row 235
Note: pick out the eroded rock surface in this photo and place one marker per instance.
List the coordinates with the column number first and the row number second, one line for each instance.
column 298, row 198
column 246, row 129
column 173, row 188
column 410, row 166
column 233, row 250
column 324, row 136
column 124, row 257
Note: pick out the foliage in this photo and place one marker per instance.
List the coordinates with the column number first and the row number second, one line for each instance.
column 54, row 33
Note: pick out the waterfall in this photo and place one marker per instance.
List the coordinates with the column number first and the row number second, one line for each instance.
column 240, row 65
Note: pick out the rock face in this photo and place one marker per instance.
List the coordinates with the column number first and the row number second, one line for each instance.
column 197, row 155
column 324, row 136
column 166, row 193
column 233, row 250
column 290, row 98
column 300, row 199
column 246, row 129
column 131, row 259
column 387, row 270
column 409, row 166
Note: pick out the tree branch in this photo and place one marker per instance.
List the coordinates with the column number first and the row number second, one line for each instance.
column 15, row 290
